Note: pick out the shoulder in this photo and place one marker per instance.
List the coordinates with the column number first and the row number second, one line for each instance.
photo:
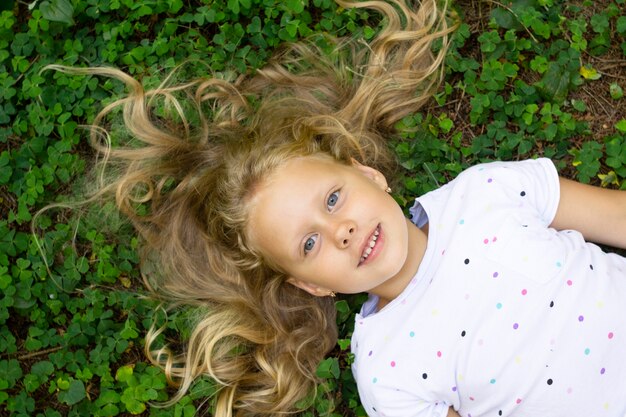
column 530, row 185
column 529, row 169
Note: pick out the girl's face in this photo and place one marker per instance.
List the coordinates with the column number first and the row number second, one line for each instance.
column 331, row 227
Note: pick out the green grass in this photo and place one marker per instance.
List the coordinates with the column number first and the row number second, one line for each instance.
column 529, row 78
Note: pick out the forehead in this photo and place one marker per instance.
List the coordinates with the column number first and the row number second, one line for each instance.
column 297, row 175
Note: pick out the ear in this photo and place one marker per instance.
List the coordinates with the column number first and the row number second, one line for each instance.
column 308, row 287
column 371, row 173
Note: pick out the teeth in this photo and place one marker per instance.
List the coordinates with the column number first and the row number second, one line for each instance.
column 371, row 244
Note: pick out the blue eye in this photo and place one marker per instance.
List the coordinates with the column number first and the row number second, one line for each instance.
column 332, row 200
column 310, row 244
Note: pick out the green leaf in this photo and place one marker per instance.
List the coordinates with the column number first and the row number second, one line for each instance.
column 609, row 178
column 292, row 27
column 556, row 81
column 328, row 368
column 5, row 279
column 508, row 18
column 233, row 6
column 74, row 394
column 616, row 91
column 579, row 105
column 5, row 168
column 124, row 373
column 343, row 343
column 58, row 11
column 621, row 125
column 130, row 330
column 131, row 399
column 621, row 25
column 42, row 369
column 255, row 25
column 10, row 371
column 589, row 73
column 295, row 6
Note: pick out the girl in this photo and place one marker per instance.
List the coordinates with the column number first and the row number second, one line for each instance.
column 258, row 199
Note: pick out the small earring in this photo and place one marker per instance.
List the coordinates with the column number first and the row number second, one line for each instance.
column 332, row 294
column 388, row 190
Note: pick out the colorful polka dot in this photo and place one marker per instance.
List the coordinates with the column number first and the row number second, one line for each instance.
column 499, row 306
column 495, row 275
column 516, row 326
column 569, row 282
column 549, row 381
column 551, row 304
column 602, row 371
column 523, row 193
column 424, row 375
column 610, row 335
column 494, row 239
column 581, row 318
column 412, row 334
column 439, row 354
column 559, row 264
column 466, row 261
column 524, row 291
column 587, row 351
column 490, row 180
column 454, row 389
column 463, row 333
column 518, row 401
column 369, row 354
column 375, row 380
column 492, row 381
column 393, row 364
column 462, row 221
column 485, row 241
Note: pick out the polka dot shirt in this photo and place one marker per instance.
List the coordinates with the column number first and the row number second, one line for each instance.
column 505, row 316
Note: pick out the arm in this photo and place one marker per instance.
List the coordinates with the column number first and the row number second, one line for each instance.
column 599, row 214
column 452, row 413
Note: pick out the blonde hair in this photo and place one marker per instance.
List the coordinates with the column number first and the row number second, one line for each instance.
column 191, row 158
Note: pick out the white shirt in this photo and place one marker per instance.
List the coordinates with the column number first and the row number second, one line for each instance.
column 505, row 316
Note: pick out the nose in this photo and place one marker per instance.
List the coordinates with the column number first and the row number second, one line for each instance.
column 344, row 232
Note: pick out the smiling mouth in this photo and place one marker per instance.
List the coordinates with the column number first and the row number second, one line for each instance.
column 371, row 244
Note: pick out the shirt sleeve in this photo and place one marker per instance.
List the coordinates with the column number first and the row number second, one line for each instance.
column 533, row 181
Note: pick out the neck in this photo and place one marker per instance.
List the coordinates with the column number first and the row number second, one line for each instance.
column 418, row 239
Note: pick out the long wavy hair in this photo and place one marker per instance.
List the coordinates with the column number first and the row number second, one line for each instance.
column 190, row 156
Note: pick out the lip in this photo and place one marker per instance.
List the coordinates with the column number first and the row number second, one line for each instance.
column 377, row 247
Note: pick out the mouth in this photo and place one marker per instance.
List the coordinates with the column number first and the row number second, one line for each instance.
column 371, row 247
